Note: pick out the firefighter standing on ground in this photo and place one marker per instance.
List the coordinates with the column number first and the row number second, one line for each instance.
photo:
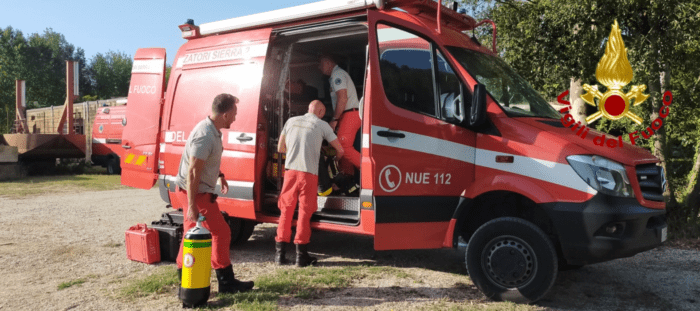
column 196, row 180
column 301, row 140
column 345, row 111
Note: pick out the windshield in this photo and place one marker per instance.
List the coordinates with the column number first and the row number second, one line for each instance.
column 510, row 90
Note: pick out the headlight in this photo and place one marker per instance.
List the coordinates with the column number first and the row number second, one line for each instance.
column 601, row 174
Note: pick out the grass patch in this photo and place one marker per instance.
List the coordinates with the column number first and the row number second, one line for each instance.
column 65, row 285
column 251, row 301
column 161, row 281
column 308, row 283
column 59, row 184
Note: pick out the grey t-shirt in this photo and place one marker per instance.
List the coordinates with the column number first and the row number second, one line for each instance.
column 303, row 137
column 205, row 144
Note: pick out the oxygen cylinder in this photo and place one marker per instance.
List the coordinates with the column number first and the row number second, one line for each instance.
column 196, row 266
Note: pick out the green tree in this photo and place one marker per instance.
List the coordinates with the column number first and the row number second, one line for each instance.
column 40, row 60
column 45, row 63
column 12, row 45
column 110, row 74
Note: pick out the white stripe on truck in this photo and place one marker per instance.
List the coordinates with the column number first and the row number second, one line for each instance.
column 223, row 54
column 552, row 172
column 148, row 66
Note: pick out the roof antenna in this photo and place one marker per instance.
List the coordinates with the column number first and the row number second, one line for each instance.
column 474, row 39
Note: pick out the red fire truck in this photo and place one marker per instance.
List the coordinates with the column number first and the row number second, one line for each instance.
column 107, row 137
column 455, row 145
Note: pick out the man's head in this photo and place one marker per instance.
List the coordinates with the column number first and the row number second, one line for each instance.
column 326, row 64
column 224, row 109
column 318, row 108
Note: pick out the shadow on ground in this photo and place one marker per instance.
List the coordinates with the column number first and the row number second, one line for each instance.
column 338, row 249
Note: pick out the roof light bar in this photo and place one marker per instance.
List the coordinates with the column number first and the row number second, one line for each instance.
column 300, row 12
column 189, row 31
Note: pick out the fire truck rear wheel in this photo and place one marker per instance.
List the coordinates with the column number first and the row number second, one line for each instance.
column 241, row 229
column 511, row 259
column 113, row 167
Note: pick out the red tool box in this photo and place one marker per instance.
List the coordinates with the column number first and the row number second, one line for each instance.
column 142, row 244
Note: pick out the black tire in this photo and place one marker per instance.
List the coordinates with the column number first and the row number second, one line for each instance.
column 113, row 167
column 241, row 229
column 511, row 259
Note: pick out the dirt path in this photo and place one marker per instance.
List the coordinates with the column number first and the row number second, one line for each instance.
column 50, row 239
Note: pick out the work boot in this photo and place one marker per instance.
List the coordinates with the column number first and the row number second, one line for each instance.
column 303, row 258
column 228, row 282
column 280, row 252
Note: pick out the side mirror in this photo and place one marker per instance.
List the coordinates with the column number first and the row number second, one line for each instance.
column 477, row 115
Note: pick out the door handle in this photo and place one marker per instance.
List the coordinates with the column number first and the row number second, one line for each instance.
column 244, row 138
column 126, row 146
column 391, row 134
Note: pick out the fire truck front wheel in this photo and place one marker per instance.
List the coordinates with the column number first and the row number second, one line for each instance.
column 511, row 259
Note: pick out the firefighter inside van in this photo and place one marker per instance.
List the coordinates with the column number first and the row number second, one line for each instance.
column 300, row 94
column 301, row 140
column 196, row 180
column 346, row 116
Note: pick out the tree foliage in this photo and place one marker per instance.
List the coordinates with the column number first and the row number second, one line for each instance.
column 40, row 59
column 110, row 74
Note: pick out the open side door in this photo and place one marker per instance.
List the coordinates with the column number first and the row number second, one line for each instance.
column 422, row 158
column 143, row 114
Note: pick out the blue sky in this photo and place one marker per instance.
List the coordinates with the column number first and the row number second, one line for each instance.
column 98, row 26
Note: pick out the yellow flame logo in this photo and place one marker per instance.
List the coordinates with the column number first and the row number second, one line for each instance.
column 615, row 72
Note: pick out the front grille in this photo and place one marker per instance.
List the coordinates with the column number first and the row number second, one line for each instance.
column 652, row 181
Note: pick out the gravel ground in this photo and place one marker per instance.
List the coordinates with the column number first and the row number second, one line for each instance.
column 50, row 239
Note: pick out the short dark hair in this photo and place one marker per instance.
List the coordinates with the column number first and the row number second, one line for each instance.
column 329, row 56
column 223, row 103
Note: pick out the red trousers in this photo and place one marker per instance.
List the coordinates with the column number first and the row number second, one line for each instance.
column 214, row 222
column 348, row 125
column 302, row 187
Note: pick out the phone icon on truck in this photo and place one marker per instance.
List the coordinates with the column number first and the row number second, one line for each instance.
column 388, row 179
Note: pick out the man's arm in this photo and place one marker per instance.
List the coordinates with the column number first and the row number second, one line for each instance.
column 224, row 183
column 194, row 177
column 342, row 100
column 282, row 145
column 339, row 152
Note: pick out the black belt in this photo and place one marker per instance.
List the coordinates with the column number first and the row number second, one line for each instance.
column 353, row 109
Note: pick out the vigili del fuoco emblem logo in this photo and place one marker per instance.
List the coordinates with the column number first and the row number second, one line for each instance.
column 614, row 72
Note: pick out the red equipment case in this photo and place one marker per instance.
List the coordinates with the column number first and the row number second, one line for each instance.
column 142, row 244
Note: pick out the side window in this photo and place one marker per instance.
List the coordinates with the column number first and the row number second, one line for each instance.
column 406, row 68
column 412, row 82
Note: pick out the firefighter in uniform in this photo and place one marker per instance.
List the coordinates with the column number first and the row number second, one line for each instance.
column 301, row 140
column 196, row 180
column 346, row 114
